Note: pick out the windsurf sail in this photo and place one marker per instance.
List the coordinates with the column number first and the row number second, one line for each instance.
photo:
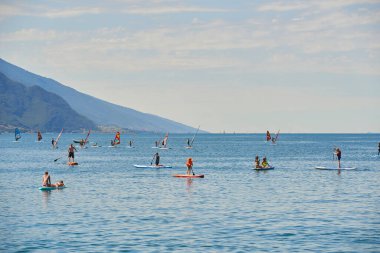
column 192, row 140
column 165, row 141
column 268, row 136
column 274, row 140
column 116, row 140
column 56, row 140
column 88, row 134
column 17, row 134
column 39, row 136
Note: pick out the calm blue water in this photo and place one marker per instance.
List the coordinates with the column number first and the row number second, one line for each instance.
column 109, row 205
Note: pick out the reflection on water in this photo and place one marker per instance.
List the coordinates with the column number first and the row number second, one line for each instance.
column 189, row 182
column 45, row 198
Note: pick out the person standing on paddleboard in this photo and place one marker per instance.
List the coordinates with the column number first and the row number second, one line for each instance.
column 71, row 151
column 157, row 157
column 189, row 164
column 338, row 154
column 46, row 179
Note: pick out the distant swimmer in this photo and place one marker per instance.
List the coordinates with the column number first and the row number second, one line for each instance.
column 71, row 151
column 46, row 179
column 189, row 164
column 156, row 157
column 257, row 163
column 338, row 154
column 265, row 163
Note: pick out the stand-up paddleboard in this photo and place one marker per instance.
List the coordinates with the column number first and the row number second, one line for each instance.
column 268, row 168
column 188, row 147
column 164, row 148
column 72, row 163
column 334, row 168
column 153, row 166
column 49, row 188
column 155, row 147
column 189, row 176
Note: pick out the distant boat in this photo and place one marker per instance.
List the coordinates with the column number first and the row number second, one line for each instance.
column 17, row 134
column 116, row 140
column 39, row 136
column 190, row 143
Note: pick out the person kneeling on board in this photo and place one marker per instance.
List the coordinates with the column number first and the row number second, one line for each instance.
column 257, row 163
column 189, row 164
column 265, row 163
column 71, row 151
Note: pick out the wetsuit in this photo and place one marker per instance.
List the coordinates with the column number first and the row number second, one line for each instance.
column 157, row 160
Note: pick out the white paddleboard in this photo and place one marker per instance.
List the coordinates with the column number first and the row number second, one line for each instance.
column 334, row 168
column 153, row 166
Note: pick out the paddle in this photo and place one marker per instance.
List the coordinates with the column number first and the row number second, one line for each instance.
column 58, row 158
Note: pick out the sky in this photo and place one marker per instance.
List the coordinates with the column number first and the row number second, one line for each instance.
column 234, row 66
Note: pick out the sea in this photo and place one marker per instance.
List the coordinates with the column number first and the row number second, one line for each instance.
column 111, row 206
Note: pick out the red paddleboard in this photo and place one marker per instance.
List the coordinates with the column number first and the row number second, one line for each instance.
column 189, row 176
column 72, row 163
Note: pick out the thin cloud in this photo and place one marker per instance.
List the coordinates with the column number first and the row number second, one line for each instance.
column 171, row 10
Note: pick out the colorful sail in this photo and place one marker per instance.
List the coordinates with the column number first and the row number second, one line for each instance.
column 116, row 141
column 17, row 134
column 39, row 136
column 268, row 136
column 56, row 141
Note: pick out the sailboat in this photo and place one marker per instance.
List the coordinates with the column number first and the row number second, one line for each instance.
column 190, row 143
column 39, row 136
column 17, row 134
column 116, row 140
column 55, row 142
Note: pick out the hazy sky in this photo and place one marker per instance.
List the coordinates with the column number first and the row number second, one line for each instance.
column 244, row 66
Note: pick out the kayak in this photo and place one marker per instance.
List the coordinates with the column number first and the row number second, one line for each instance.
column 49, row 188
column 268, row 168
column 189, row 176
column 334, row 168
column 72, row 163
column 153, row 166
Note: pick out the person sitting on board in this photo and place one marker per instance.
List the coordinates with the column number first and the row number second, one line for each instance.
column 189, row 164
column 71, row 152
column 46, row 179
column 265, row 163
column 338, row 154
column 257, row 162
column 157, row 157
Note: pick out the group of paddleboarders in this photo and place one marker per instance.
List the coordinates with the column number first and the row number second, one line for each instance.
column 47, row 183
column 264, row 163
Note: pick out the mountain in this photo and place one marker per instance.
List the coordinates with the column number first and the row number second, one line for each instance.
column 35, row 108
column 101, row 112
